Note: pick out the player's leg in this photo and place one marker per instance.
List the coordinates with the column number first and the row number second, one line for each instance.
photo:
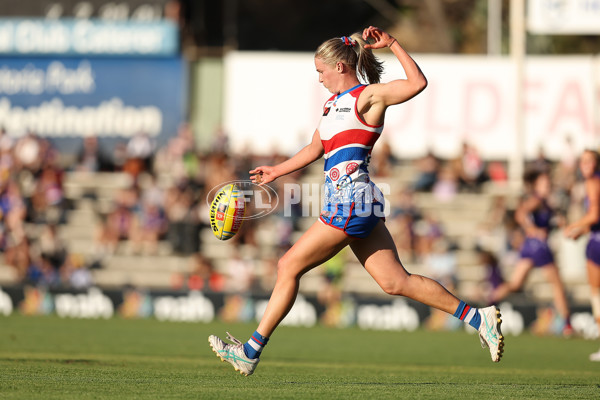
column 593, row 271
column 378, row 255
column 318, row 244
column 558, row 290
column 516, row 281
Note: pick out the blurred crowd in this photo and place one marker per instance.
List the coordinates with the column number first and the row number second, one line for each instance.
column 163, row 204
column 163, row 209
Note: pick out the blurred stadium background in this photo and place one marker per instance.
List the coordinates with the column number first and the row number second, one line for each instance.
column 118, row 117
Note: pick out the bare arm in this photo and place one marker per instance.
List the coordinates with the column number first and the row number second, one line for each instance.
column 376, row 98
column 308, row 154
column 526, row 207
column 576, row 229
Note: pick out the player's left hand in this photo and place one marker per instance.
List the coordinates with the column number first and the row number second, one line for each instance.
column 381, row 38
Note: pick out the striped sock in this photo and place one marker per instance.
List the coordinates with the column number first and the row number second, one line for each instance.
column 254, row 346
column 469, row 314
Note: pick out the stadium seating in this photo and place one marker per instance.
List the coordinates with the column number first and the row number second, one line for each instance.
column 92, row 193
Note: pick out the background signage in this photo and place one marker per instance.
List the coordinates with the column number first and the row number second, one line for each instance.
column 88, row 37
column 564, row 16
column 70, row 97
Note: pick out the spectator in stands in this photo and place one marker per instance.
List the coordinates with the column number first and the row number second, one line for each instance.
column 29, row 152
column 441, row 263
column 140, row 150
column 427, row 231
column 91, row 157
column 6, row 151
column 15, row 243
column 428, row 167
column 149, row 226
column 220, row 144
column 183, row 232
column 219, row 168
column 47, row 197
column 53, row 249
column 178, row 159
column 470, row 168
column 446, row 186
column 119, row 156
column 492, row 232
column 384, row 160
column 401, row 229
column 118, row 224
column 150, row 223
column 496, row 171
column 204, row 276
column 76, row 273
column 541, row 163
column 402, row 220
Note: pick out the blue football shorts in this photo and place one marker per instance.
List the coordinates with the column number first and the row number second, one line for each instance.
column 354, row 219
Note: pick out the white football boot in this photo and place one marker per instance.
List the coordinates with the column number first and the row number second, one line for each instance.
column 489, row 332
column 595, row 356
column 233, row 353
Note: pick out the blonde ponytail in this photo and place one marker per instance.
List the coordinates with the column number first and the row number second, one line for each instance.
column 351, row 52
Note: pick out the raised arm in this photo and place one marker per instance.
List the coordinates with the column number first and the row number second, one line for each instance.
column 377, row 97
column 308, row 154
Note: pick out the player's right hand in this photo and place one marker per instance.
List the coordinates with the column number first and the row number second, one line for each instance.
column 381, row 38
column 263, row 174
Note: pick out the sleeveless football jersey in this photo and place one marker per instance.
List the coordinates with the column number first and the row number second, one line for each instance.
column 542, row 216
column 348, row 142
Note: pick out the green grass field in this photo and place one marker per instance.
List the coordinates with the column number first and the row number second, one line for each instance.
column 52, row 358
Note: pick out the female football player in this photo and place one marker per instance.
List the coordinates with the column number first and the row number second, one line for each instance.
column 589, row 165
column 534, row 215
column 351, row 123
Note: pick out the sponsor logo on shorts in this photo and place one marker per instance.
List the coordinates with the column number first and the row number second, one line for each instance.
column 343, row 109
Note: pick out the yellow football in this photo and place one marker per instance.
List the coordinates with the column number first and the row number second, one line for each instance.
column 227, row 212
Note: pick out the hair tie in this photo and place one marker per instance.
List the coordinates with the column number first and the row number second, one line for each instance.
column 348, row 41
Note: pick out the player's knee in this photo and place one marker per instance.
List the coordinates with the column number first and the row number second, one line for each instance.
column 394, row 287
column 285, row 268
